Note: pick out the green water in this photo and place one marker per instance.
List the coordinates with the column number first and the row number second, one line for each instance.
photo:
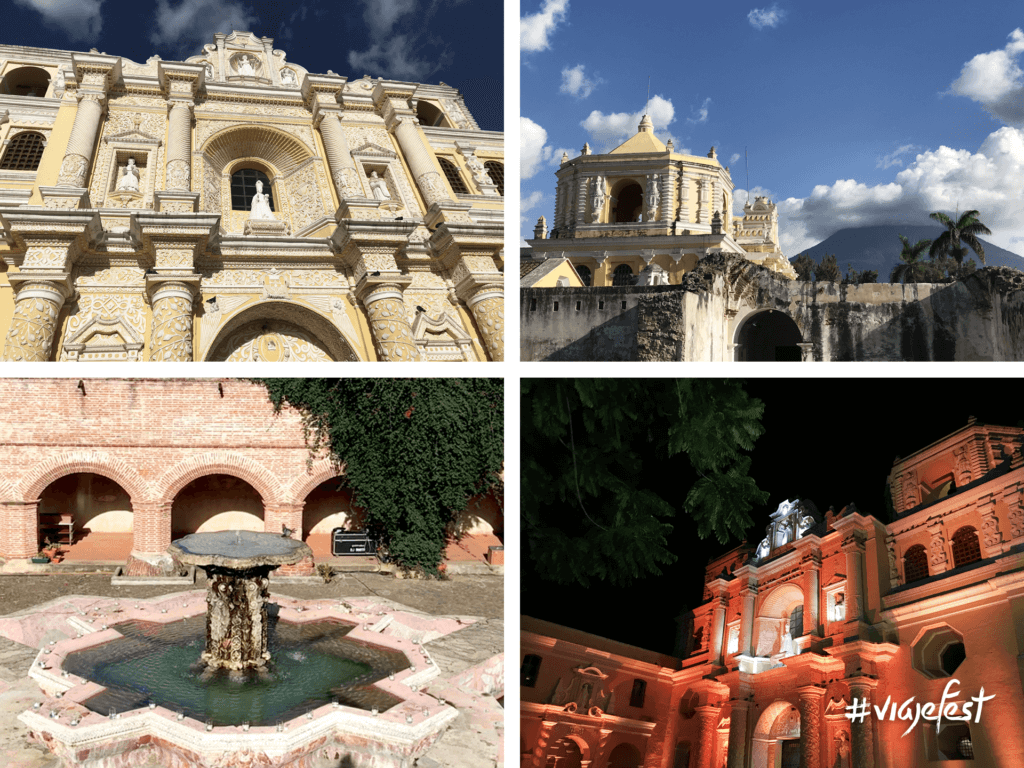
column 311, row 665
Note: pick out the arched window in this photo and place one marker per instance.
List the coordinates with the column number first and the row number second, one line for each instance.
column 585, row 274
column 243, row 188
column 639, row 692
column 796, row 622
column 497, row 173
column 23, row 153
column 623, row 275
column 26, row 81
column 915, row 564
column 630, row 204
column 529, row 671
column 430, row 115
column 452, row 174
column 966, row 548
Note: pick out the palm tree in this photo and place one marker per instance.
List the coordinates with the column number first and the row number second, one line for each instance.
column 913, row 266
column 966, row 228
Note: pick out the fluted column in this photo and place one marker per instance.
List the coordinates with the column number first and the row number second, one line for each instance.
column 179, row 147
column 172, row 322
column 488, row 308
column 392, row 334
column 862, row 731
column 31, row 335
column 74, row 170
column 339, row 158
column 810, row 726
column 738, row 734
column 853, row 548
column 418, row 157
column 748, row 594
column 707, row 722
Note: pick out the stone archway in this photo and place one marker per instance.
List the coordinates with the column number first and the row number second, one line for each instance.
column 279, row 331
column 89, row 515
column 628, row 201
column 564, row 753
column 776, row 739
column 769, row 336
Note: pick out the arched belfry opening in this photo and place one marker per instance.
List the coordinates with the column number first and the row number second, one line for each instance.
column 627, row 202
column 769, row 336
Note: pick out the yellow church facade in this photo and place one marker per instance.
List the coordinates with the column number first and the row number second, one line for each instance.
column 645, row 214
column 236, row 207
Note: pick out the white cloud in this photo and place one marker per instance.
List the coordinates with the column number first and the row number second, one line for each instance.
column 393, row 58
column 944, row 179
column 528, row 203
column 702, row 113
column 535, row 28
column 533, row 149
column 739, row 198
column 761, row 18
column 735, row 156
column 190, row 24
column 576, row 82
column 556, row 155
column 607, row 131
column 996, row 82
column 893, row 158
column 80, row 19
column 380, row 15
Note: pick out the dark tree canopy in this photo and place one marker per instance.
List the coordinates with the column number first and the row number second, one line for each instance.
column 414, row 451
column 589, row 448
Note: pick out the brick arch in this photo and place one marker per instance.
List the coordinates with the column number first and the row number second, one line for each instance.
column 76, row 462
column 267, row 485
column 321, row 471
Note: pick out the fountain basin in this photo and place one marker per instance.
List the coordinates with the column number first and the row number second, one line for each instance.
column 83, row 737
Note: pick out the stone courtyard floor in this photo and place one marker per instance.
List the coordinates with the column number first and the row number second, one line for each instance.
column 473, row 741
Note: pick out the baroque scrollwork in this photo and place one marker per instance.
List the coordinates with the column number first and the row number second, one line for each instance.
column 179, row 175
column 73, row 171
column 30, row 337
column 392, row 335
column 172, row 329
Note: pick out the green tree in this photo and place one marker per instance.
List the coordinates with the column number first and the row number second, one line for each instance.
column 590, row 508
column 869, row 276
column 965, row 229
column 413, row 451
column 804, row 266
column 912, row 267
column 828, row 270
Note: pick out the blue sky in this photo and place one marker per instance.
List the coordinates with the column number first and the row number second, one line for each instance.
column 420, row 40
column 851, row 114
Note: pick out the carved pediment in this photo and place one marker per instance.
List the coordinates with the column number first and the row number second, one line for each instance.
column 369, row 149
column 104, row 338
column 133, row 136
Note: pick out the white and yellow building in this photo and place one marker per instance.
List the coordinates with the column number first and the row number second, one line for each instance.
column 129, row 229
column 646, row 213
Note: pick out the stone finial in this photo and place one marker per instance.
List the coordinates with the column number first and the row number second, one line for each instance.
column 565, row 158
column 586, row 148
column 646, row 124
column 540, row 231
column 669, row 146
column 712, row 154
column 716, row 223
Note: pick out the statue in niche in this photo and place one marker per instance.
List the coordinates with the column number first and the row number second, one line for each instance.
column 838, row 608
column 288, row 78
column 598, row 198
column 261, row 204
column 787, row 640
column 653, row 198
column 129, row 181
column 379, row 187
column 209, row 70
column 245, row 66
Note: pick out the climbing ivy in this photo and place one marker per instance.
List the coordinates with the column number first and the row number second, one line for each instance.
column 413, row 451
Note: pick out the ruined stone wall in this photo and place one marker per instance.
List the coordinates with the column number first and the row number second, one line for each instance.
column 980, row 318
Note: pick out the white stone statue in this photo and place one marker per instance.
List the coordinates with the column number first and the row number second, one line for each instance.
column 288, row 77
column 763, row 549
column 209, row 70
column 261, row 204
column 129, row 181
column 653, row 198
column 379, row 187
column 839, row 608
column 787, row 640
column 597, row 199
column 245, row 66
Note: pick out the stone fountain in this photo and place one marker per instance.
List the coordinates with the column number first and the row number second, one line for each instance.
column 237, row 566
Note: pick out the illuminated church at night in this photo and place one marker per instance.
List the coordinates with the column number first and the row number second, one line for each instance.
column 823, row 610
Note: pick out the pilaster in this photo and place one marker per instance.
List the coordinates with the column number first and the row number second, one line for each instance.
column 810, row 725
column 322, row 94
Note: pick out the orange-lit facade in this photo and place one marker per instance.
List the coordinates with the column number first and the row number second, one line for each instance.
column 825, row 609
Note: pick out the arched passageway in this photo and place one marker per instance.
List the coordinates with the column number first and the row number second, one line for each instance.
column 327, row 507
column 89, row 515
column 776, row 741
column 624, row 756
column 769, row 336
column 216, row 503
column 564, row 753
column 629, row 204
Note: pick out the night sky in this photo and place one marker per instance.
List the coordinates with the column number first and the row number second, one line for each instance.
column 831, row 441
column 458, row 42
